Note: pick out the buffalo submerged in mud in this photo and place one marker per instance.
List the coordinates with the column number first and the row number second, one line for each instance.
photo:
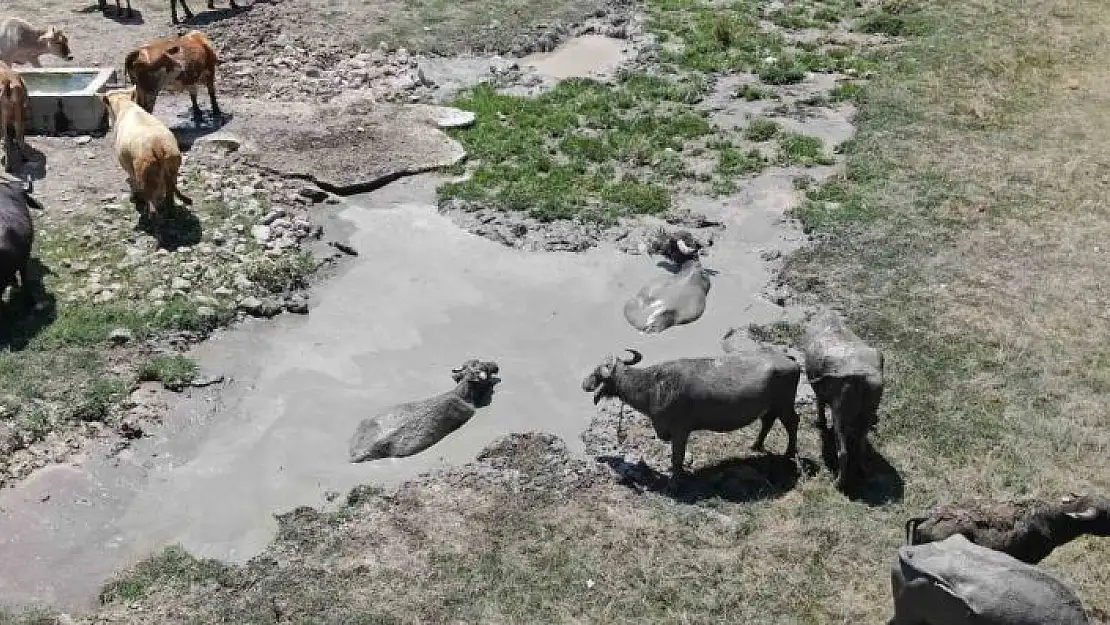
column 412, row 427
column 671, row 300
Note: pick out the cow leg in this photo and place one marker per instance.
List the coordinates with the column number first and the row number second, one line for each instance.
column 103, row 5
column 210, row 84
column 198, row 116
column 232, row 4
column 211, row 5
column 822, row 423
column 130, row 13
column 678, row 453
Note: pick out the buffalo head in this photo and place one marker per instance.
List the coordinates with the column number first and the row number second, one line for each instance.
column 600, row 381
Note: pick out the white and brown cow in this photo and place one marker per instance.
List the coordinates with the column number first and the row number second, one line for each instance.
column 174, row 64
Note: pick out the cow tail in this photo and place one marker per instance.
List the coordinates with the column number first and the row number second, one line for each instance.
column 6, row 91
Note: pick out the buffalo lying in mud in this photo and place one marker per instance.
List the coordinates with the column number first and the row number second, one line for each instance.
column 412, row 427
column 675, row 299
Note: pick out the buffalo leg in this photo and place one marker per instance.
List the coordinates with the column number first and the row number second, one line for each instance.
column 210, row 84
column 842, row 455
column 790, row 420
column 25, row 288
column 764, row 429
column 678, row 453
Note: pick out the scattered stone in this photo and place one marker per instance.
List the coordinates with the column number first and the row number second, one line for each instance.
column 343, row 247
column 180, row 284
column 260, row 233
column 120, row 336
column 296, row 304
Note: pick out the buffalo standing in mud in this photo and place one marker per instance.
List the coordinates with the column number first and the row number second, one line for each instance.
column 847, row 376
column 1028, row 530
column 410, row 428
column 720, row 394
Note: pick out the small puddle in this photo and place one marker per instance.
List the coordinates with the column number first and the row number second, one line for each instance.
column 589, row 56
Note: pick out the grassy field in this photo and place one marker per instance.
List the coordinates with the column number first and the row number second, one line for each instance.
column 968, row 238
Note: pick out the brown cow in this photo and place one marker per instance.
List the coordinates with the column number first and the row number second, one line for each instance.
column 174, row 64
column 147, row 151
column 13, row 105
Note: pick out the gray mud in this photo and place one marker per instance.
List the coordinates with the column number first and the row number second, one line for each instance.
column 421, row 296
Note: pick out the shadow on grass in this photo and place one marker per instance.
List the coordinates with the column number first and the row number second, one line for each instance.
column 177, row 229
column 881, row 483
column 753, row 478
column 20, row 324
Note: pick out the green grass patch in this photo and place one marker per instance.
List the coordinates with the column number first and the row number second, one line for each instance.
column 806, row 150
column 173, row 371
column 173, row 565
column 762, row 129
column 751, row 93
column 98, row 397
column 784, row 70
column 583, row 150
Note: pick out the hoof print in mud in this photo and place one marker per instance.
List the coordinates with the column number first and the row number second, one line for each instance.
column 674, row 299
column 410, row 428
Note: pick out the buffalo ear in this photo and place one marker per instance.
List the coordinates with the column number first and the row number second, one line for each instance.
column 1090, row 514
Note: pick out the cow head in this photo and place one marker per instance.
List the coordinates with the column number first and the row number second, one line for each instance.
column 600, row 381
column 56, row 43
column 116, row 99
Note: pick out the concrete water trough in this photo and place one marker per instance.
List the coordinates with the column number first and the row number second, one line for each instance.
column 65, row 99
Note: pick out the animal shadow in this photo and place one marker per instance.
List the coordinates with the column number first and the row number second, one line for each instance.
column 29, row 161
column 206, row 16
column 881, row 483
column 179, row 228
column 187, row 131
column 20, row 325
column 753, row 478
column 120, row 17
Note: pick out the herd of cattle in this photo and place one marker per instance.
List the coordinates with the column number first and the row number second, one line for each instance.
column 146, row 149
column 960, row 565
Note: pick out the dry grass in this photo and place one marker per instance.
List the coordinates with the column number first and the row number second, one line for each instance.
column 966, row 240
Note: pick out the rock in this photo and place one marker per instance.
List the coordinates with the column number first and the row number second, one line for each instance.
column 260, row 233
column 250, row 305
column 206, row 312
column 157, row 293
column 120, row 336
column 83, row 140
column 242, row 282
column 259, row 308
column 296, row 304
column 180, row 284
column 223, row 291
